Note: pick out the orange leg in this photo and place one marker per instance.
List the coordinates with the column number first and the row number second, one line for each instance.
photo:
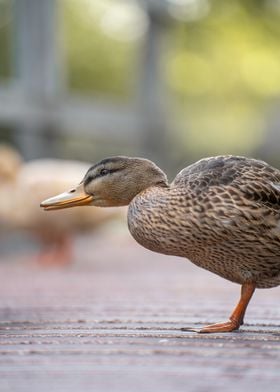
column 237, row 316
column 57, row 252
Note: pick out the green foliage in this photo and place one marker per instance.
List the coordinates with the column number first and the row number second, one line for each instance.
column 96, row 63
column 5, row 39
column 225, row 71
column 231, row 52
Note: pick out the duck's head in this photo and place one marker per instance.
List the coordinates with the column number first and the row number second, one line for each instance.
column 111, row 182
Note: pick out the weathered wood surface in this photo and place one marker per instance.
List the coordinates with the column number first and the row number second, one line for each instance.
column 111, row 322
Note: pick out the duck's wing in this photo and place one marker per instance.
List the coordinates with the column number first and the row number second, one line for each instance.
column 235, row 192
column 262, row 193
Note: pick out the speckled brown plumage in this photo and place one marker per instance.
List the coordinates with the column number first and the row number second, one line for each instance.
column 222, row 213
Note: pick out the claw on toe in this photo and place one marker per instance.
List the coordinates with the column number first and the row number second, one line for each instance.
column 197, row 330
column 228, row 326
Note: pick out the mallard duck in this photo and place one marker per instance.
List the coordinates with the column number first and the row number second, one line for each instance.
column 24, row 184
column 222, row 213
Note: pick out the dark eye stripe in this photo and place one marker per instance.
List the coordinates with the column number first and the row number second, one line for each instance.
column 103, row 172
column 90, row 178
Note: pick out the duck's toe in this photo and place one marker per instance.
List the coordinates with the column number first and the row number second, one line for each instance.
column 228, row 326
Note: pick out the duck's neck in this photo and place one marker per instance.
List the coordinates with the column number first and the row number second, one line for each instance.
column 149, row 219
column 131, row 186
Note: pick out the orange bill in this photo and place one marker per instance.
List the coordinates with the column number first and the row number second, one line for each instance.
column 74, row 198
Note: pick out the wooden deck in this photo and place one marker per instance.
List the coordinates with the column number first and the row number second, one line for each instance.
column 111, row 322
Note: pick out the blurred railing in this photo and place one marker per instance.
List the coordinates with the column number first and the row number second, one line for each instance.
column 37, row 105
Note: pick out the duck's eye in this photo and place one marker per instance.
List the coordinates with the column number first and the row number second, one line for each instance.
column 103, row 172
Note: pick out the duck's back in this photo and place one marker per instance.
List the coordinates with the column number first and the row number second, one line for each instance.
column 250, row 176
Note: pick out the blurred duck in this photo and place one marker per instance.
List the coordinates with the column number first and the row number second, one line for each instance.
column 222, row 213
column 22, row 187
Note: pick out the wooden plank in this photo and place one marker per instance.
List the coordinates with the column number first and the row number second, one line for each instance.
column 112, row 321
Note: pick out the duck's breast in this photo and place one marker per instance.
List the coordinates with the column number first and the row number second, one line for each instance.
column 158, row 222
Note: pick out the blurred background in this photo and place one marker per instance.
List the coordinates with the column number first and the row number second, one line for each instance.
column 171, row 80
